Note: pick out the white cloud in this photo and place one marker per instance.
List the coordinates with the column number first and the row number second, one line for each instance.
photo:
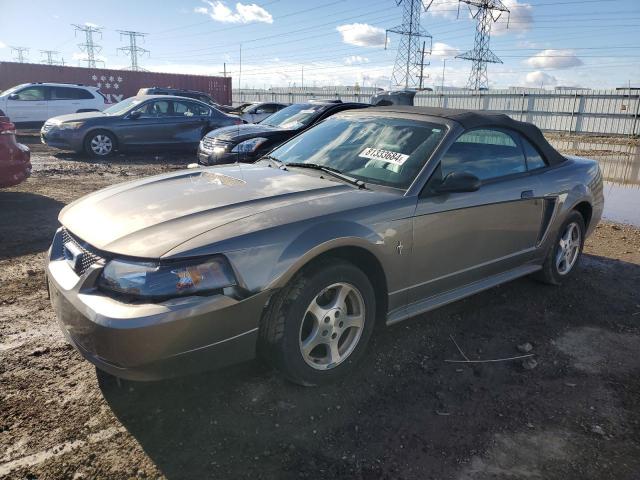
column 520, row 19
column 355, row 59
column 445, row 8
column 362, row 35
column 554, row 59
column 539, row 79
column 3, row 45
column 442, row 50
column 89, row 24
column 244, row 13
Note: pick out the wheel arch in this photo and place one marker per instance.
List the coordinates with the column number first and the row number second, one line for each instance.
column 354, row 250
column 585, row 209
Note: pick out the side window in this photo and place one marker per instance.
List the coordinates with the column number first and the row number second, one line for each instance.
column 189, row 109
column 158, row 108
column 267, row 108
column 31, row 94
column 69, row 93
column 486, row 154
column 534, row 159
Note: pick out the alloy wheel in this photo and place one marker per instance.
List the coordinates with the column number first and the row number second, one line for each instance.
column 332, row 326
column 101, row 145
column 568, row 248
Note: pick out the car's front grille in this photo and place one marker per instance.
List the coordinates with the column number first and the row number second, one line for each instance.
column 209, row 143
column 79, row 255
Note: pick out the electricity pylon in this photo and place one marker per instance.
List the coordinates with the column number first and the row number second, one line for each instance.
column 409, row 59
column 89, row 47
column 133, row 50
column 487, row 12
column 20, row 54
column 51, row 60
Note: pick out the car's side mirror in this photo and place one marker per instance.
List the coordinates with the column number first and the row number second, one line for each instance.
column 14, row 96
column 135, row 114
column 459, row 182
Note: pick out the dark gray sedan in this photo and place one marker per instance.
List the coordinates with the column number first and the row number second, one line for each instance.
column 372, row 216
column 146, row 121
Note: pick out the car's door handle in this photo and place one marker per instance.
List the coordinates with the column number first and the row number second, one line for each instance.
column 527, row 194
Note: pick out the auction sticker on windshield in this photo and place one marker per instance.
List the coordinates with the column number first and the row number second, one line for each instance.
column 384, row 155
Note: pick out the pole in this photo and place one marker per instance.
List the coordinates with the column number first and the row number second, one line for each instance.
column 444, row 64
column 302, row 82
column 424, row 45
column 240, row 71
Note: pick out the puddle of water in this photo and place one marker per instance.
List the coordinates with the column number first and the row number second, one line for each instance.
column 620, row 164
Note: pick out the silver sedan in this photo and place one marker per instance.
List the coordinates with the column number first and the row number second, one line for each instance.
column 371, row 216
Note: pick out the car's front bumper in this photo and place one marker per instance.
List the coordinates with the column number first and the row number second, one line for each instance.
column 210, row 157
column 68, row 139
column 148, row 341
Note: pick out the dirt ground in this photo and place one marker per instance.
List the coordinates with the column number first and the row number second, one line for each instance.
column 405, row 414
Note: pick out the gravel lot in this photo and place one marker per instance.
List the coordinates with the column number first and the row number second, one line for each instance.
column 405, row 414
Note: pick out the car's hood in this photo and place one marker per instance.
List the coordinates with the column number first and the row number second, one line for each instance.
column 149, row 217
column 238, row 133
column 77, row 117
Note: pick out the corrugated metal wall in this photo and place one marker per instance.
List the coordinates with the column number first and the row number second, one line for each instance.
column 115, row 84
column 603, row 112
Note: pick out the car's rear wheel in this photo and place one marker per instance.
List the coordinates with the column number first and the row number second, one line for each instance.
column 318, row 326
column 100, row 144
column 564, row 254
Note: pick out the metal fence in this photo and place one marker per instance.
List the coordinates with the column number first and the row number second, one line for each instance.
column 598, row 112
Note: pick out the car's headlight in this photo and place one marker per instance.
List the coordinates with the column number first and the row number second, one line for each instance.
column 167, row 280
column 249, row 146
column 69, row 125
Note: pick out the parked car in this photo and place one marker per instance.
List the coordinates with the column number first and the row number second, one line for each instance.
column 15, row 164
column 247, row 143
column 36, row 102
column 181, row 92
column 371, row 216
column 257, row 111
column 148, row 121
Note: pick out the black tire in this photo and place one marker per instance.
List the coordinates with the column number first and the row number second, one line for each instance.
column 550, row 272
column 281, row 327
column 95, row 135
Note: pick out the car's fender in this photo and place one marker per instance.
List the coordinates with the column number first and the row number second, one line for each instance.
column 319, row 239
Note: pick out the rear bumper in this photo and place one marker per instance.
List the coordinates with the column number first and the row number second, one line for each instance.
column 15, row 164
column 151, row 341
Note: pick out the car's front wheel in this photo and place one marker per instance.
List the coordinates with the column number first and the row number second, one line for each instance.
column 318, row 326
column 100, row 144
column 564, row 253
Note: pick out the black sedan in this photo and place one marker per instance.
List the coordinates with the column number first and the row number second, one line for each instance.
column 247, row 143
column 145, row 121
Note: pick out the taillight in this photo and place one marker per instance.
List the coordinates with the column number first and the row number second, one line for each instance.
column 6, row 127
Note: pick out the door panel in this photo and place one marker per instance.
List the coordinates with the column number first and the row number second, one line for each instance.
column 151, row 128
column 461, row 238
column 30, row 106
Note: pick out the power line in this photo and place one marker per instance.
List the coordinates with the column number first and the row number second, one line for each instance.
column 133, row 50
column 488, row 12
column 20, row 54
column 89, row 46
column 51, row 57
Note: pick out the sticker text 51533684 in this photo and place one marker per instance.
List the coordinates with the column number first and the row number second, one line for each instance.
column 384, row 155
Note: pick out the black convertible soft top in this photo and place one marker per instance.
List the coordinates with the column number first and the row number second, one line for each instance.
column 477, row 119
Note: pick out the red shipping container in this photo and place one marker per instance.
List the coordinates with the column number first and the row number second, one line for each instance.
column 116, row 85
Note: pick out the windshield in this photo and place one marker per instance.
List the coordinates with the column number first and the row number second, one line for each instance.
column 384, row 151
column 294, row 116
column 123, row 106
column 9, row 91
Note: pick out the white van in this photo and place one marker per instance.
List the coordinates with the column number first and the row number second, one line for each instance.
column 37, row 102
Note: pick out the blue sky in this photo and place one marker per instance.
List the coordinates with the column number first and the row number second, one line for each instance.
column 589, row 43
